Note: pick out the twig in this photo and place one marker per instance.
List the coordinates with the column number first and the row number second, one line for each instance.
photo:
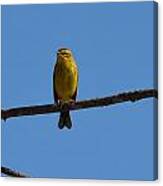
column 98, row 102
column 12, row 173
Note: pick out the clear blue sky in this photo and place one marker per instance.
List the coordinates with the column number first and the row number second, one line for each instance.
column 113, row 46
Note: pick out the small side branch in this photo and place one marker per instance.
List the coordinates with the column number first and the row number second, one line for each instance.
column 12, row 173
column 98, row 102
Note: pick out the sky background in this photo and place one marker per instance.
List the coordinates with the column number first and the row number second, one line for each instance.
column 113, row 47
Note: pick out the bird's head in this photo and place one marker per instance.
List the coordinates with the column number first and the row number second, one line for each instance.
column 64, row 53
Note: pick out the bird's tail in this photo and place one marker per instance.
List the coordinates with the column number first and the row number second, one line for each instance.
column 65, row 120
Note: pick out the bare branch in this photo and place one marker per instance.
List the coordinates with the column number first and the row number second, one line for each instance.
column 12, row 173
column 98, row 102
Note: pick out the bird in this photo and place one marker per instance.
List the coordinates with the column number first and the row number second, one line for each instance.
column 65, row 84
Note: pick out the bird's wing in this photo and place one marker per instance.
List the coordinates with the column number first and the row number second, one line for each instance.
column 75, row 93
column 54, row 90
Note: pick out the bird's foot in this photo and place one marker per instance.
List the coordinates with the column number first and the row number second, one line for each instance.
column 72, row 101
column 63, row 105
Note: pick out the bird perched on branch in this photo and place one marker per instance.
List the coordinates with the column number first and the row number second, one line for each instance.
column 65, row 84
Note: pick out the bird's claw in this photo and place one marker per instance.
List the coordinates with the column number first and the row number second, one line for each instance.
column 72, row 102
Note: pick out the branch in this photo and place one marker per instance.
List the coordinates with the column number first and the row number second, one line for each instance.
column 98, row 102
column 12, row 173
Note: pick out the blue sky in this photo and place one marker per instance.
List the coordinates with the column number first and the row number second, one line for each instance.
column 113, row 47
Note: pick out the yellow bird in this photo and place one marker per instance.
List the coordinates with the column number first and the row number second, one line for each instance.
column 65, row 83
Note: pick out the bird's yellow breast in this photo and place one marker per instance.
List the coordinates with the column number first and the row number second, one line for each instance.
column 66, row 79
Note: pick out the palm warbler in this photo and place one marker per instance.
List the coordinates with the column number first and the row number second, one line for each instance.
column 65, row 83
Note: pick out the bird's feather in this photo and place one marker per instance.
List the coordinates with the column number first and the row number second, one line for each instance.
column 54, row 87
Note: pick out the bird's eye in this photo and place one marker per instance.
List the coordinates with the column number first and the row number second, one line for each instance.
column 66, row 54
